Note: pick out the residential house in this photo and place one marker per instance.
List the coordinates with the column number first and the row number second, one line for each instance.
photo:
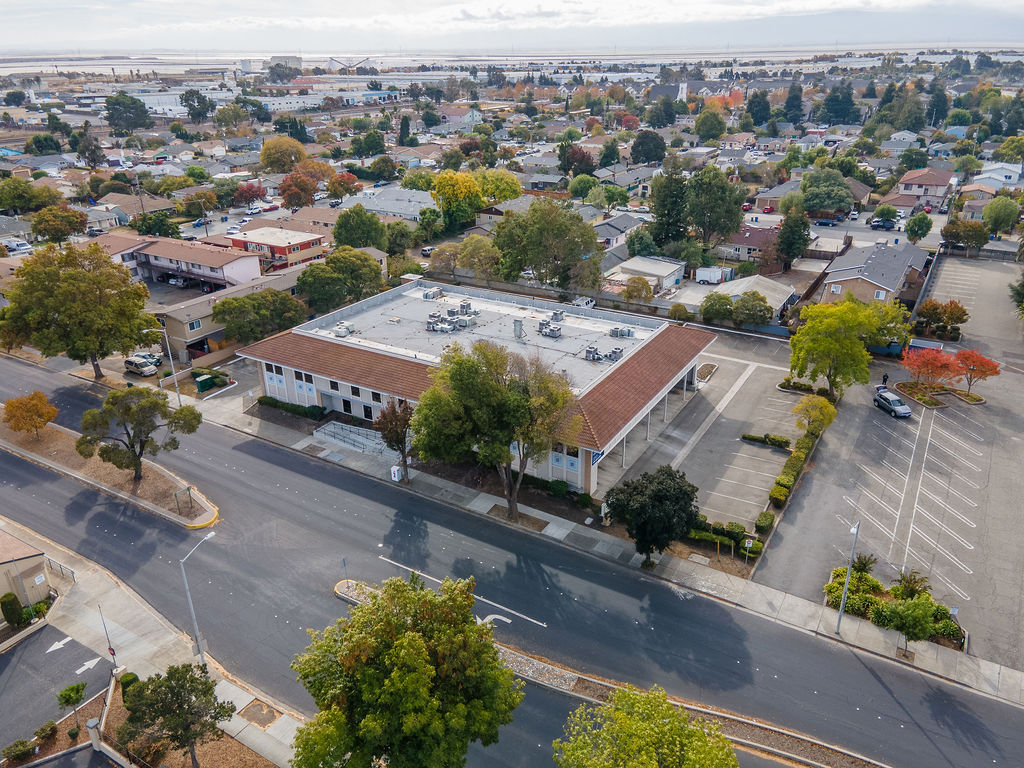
column 392, row 200
column 925, row 186
column 613, row 231
column 975, row 191
column 972, row 210
column 279, row 248
column 660, row 273
column 999, row 175
column 777, row 293
column 154, row 258
column 749, row 244
column 132, row 205
column 492, row 214
column 544, row 181
column 876, row 272
column 15, row 226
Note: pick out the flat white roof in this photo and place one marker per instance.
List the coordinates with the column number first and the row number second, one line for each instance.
column 275, row 236
column 395, row 323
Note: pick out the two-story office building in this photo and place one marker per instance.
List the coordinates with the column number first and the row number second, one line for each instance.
column 279, row 248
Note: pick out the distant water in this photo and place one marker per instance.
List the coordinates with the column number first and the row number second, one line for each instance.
column 171, row 62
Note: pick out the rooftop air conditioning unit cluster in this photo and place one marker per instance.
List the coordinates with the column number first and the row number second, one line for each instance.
column 465, row 307
column 453, row 312
column 343, row 329
column 615, row 354
column 465, row 322
column 433, row 293
column 622, row 333
column 557, row 315
column 547, row 328
column 593, row 355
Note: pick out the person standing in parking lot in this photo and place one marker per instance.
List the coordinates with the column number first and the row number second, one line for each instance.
column 885, row 379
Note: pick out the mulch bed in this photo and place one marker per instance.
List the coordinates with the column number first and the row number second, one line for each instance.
column 60, row 741
column 58, row 447
column 225, row 751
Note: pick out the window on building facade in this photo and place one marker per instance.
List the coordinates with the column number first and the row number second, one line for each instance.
column 368, row 413
column 335, row 387
column 346, row 406
column 195, row 325
column 837, row 289
column 880, row 295
column 355, row 391
column 268, row 367
column 375, row 396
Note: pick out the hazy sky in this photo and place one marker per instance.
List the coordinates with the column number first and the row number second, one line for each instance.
column 499, row 25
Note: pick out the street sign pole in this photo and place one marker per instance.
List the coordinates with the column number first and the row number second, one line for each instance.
column 110, row 645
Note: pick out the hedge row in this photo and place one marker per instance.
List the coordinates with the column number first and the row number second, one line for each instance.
column 792, row 469
column 803, row 386
column 314, row 412
column 728, row 534
column 777, row 441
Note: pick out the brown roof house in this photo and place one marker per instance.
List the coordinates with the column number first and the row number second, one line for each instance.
column 749, row 244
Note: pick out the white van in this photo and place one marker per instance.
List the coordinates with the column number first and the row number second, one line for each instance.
column 15, row 245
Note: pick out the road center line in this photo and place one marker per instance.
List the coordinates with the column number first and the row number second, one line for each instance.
column 475, row 596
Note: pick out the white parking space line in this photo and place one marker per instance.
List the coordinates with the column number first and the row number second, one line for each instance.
column 920, row 479
column 944, row 482
column 958, row 413
column 881, row 480
column 878, row 501
column 951, row 473
column 737, row 518
column 895, row 434
column 787, row 411
column 748, row 485
column 863, row 513
column 751, row 471
column 734, row 498
column 953, row 453
column 959, row 442
column 946, row 529
column 941, row 550
column 748, row 456
column 961, row 427
column 939, row 575
column 893, row 469
column 944, row 505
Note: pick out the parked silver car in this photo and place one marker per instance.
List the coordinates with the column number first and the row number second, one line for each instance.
column 139, row 366
column 891, row 403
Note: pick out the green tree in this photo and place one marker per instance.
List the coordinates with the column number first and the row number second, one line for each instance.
column 826, row 190
column 914, row 158
column 709, row 125
column 122, row 430
column 581, row 185
column 918, row 227
column 830, row 344
column 549, row 238
column 886, row 212
column 657, row 509
column 76, row 302
column 126, row 114
column 637, row 289
column 281, row 153
column 56, row 223
column 814, row 413
column 383, row 168
column 42, row 144
column 609, row 153
column 647, row 147
column 393, row 425
column 403, row 131
column 505, row 407
column 255, row 316
column 668, row 202
column 794, row 237
column 90, row 152
column 792, row 202
column 346, row 275
column 230, row 115
column 158, row 224
column 458, row 197
column 497, row 185
column 15, row 194
column 429, row 224
column 399, row 237
column 713, row 205
column 794, row 106
column 72, row 696
column 15, row 98
column 408, row 679
column 418, row 178
column 1000, row 214
column 758, row 107
column 637, row 728
column 751, row 308
column 614, row 196
column 716, row 308
column 359, row 228
column 974, row 234
column 914, row 618
column 452, row 159
column 198, row 105
column 640, row 243
column 181, row 708
column 480, row 254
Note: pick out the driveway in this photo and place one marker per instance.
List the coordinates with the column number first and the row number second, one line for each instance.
column 35, row 671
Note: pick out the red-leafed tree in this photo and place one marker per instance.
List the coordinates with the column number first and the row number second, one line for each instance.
column 248, row 193
column 342, row 184
column 931, row 365
column 297, row 189
column 630, row 122
column 973, row 366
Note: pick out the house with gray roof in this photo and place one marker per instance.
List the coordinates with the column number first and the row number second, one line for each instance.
column 392, row 201
column 877, row 272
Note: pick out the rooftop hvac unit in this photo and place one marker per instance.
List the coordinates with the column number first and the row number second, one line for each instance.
column 517, row 328
column 433, row 293
column 552, row 331
column 465, row 322
column 434, row 316
column 626, row 333
column 431, row 324
column 343, row 329
column 542, row 325
column 557, row 316
column 453, row 312
column 616, row 332
column 615, row 354
column 445, row 327
column 464, row 307
column 592, row 354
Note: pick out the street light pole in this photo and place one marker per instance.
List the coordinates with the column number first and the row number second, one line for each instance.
column 170, row 358
column 846, row 587
column 188, row 598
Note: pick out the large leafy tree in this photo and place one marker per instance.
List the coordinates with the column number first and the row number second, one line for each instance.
column 758, row 107
column 648, row 147
column 972, row 367
column 668, row 203
column 826, row 190
column 657, row 508
column 257, row 315
column 346, row 275
column 497, row 185
column 504, row 407
column 709, row 125
column 409, row 679
column 29, row 413
column 122, row 430
column 342, row 184
column 281, row 153
column 794, row 107
column 751, row 308
column 640, row 728
column 609, row 153
column 458, row 196
column 158, row 224
column 713, row 205
column 57, row 223
column 126, row 114
column 549, row 238
column 581, row 185
column 76, row 302
column 918, row 226
column 716, row 307
column 297, row 189
column 480, row 254
column 1000, row 214
column 198, row 105
column 180, row 707
column 393, row 424
column 359, row 228
column 794, row 237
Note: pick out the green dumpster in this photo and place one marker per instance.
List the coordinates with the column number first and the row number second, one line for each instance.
column 204, row 383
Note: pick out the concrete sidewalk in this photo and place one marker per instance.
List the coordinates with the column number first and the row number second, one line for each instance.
column 146, row 643
column 978, row 674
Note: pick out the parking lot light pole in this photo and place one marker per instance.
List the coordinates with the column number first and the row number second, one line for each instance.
column 846, row 587
column 170, row 359
column 188, row 598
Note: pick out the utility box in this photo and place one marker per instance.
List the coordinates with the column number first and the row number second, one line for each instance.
column 396, row 473
column 204, row 383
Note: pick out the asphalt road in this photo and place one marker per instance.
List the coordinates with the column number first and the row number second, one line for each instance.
column 288, row 519
column 31, row 678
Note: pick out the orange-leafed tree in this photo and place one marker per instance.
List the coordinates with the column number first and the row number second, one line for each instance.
column 297, row 189
column 931, row 311
column 972, row 367
column 954, row 313
column 932, row 366
column 29, row 413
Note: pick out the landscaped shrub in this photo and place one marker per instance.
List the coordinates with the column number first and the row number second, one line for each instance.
column 46, row 731
column 711, row 538
column 804, row 444
column 41, row 608
column 881, row 614
column 778, row 496
column 559, row 489
column 799, row 386
column 26, row 616
column 756, row 548
column 10, row 606
column 585, row 500
column 953, row 333
column 755, row 438
column 219, row 377
column 314, row 412
column 949, row 629
column 736, row 531
column 786, row 481
column 73, row 732
column 128, row 679
column 919, row 326
column 794, row 464
column 778, row 441
column 19, row 750
column 765, row 521
column 940, row 613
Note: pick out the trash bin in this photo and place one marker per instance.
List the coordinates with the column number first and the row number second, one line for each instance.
column 204, row 383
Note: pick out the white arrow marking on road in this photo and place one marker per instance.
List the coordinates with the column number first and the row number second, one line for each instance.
column 59, row 645
column 88, row 665
column 490, row 619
